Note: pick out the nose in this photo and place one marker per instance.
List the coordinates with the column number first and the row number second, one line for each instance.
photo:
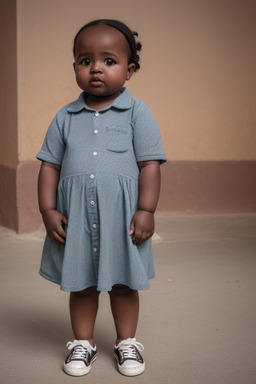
column 96, row 68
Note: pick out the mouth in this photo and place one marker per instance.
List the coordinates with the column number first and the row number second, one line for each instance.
column 96, row 82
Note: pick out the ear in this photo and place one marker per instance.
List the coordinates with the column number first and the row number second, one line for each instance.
column 130, row 71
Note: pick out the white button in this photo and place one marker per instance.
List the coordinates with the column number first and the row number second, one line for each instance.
column 95, row 131
column 95, row 153
column 97, row 113
column 95, row 249
column 92, row 202
column 94, row 226
column 92, row 176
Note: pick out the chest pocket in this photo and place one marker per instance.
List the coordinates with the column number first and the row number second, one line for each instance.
column 118, row 139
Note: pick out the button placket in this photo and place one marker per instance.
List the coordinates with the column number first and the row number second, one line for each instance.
column 94, row 223
column 92, row 201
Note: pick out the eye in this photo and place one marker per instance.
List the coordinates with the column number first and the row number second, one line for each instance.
column 109, row 62
column 85, row 62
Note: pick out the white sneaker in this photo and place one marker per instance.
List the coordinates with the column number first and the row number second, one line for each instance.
column 79, row 361
column 129, row 359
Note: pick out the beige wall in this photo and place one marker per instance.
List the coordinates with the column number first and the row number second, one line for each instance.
column 197, row 74
column 8, row 85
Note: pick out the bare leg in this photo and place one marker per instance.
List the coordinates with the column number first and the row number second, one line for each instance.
column 83, row 311
column 125, row 309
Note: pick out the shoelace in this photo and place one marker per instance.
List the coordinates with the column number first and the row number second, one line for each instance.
column 80, row 348
column 128, row 348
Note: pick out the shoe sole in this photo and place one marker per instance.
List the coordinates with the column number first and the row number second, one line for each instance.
column 78, row 371
column 130, row 371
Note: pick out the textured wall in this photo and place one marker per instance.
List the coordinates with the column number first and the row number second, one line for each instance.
column 197, row 74
column 8, row 81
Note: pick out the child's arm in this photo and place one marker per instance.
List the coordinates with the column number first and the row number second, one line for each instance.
column 47, row 191
column 142, row 224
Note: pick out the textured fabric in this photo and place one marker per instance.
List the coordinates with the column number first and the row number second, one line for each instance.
column 98, row 191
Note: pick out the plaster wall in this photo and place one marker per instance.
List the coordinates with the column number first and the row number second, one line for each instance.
column 197, row 70
column 8, row 88
column 197, row 75
column 8, row 114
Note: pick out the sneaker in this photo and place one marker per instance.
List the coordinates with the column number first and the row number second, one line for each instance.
column 79, row 361
column 129, row 359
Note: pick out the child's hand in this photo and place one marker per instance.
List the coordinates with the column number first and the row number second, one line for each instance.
column 142, row 226
column 53, row 221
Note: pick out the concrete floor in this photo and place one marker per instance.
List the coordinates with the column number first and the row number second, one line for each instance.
column 197, row 323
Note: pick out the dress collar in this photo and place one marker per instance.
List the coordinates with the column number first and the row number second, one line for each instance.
column 122, row 102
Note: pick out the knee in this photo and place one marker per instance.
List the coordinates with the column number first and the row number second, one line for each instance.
column 121, row 290
column 86, row 292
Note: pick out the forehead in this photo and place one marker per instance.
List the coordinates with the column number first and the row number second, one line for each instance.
column 101, row 37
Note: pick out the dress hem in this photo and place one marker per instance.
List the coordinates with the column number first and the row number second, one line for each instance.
column 64, row 289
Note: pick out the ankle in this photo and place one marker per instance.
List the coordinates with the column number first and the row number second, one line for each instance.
column 118, row 340
column 91, row 340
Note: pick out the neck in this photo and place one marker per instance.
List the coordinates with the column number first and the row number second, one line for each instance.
column 100, row 102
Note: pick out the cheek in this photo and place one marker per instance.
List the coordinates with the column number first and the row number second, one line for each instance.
column 117, row 76
column 81, row 76
column 81, row 69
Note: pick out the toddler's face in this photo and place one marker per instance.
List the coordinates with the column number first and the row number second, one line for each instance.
column 101, row 63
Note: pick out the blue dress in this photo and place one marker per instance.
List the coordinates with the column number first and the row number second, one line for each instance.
column 98, row 191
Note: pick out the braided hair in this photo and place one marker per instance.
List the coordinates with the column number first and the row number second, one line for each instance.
column 135, row 46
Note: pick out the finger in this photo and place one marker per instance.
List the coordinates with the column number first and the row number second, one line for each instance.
column 144, row 236
column 54, row 238
column 131, row 232
column 140, row 241
column 58, row 239
column 136, row 238
column 65, row 220
column 62, row 233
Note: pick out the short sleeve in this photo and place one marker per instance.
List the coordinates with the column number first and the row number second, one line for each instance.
column 147, row 138
column 54, row 144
